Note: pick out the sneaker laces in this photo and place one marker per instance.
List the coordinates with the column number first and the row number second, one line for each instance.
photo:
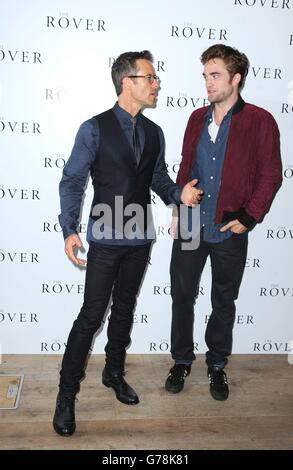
column 178, row 372
column 218, row 377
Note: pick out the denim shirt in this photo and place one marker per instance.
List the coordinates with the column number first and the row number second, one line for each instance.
column 207, row 168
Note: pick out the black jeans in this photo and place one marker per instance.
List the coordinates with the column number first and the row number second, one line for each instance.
column 227, row 263
column 107, row 266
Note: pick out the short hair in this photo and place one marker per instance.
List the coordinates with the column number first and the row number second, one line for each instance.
column 235, row 61
column 125, row 65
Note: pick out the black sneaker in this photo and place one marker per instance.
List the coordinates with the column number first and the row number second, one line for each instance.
column 218, row 383
column 176, row 377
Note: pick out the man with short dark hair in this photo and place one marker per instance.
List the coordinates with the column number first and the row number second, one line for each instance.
column 124, row 153
column 232, row 149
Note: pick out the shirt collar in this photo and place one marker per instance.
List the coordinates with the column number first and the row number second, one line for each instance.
column 123, row 115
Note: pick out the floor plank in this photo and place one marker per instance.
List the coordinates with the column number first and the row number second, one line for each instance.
column 257, row 415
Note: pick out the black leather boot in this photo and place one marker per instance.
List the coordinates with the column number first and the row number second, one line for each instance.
column 123, row 391
column 64, row 417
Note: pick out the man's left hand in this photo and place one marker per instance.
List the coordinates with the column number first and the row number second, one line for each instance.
column 235, row 226
column 190, row 194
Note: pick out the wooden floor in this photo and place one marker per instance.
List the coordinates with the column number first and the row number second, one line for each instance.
column 257, row 415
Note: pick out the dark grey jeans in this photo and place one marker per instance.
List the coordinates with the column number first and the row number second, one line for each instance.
column 227, row 263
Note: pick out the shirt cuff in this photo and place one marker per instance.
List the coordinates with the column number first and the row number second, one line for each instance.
column 176, row 195
column 68, row 231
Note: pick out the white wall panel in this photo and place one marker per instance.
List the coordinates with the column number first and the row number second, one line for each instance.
column 55, row 62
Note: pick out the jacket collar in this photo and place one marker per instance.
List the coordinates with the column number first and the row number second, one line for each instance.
column 238, row 106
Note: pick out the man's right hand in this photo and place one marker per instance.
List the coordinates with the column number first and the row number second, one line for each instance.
column 72, row 242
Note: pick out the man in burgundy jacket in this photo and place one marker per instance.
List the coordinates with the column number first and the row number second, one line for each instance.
column 232, row 148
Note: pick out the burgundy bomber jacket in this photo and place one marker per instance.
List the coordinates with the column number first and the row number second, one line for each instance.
column 252, row 168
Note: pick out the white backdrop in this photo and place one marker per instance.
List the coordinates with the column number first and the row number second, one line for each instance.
column 55, row 61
